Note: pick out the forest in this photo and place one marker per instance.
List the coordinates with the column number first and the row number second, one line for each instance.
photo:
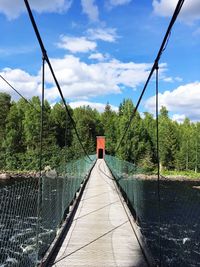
column 20, row 136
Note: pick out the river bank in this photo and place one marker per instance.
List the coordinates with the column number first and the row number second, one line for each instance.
column 9, row 175
column 15, row 175
column 153, row 177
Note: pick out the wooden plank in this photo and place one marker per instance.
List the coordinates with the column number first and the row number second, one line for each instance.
column 101, row 233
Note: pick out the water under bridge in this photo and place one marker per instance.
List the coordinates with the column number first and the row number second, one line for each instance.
column 81, row 219
column 103, row 212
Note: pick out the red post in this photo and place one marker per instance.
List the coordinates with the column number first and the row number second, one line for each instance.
column 100, row 147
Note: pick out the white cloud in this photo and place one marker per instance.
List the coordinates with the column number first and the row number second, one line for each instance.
column 99, row 106
column 104, row 34
column 83, row 91
column 171, row 79
column 12, row 9
column 168, row 79
column 90, row 9
column 80, row 80
column 98, row 56
column 164, row 8
column 113, row 3
column 189, row 13
column 178, row 79
column 25, row 83
column 183, row 100
column 76, row 44
column 179, row 117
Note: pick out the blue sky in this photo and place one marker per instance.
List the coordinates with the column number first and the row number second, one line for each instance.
column 102, row 52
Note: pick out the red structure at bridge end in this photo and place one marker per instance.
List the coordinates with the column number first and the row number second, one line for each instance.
column 100, row 147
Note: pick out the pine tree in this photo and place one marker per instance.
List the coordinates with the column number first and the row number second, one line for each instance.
column 109, row 119
column 168, row 140
column 85, row 119
column 148, row 157
column 185, row 144
column 62, row 125
column 13, row 142
column 130, row 148
column 4, row 110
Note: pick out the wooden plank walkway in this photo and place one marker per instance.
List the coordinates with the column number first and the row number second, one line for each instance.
column 100, row 234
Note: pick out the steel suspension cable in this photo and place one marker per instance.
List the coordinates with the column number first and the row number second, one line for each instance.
column 161, row 50
column 44, row 52
column 65, row 157
column 158, row 165
column 39, row 198
column 13, row 88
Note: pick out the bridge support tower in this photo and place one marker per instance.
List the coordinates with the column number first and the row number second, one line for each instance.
column 100, row 147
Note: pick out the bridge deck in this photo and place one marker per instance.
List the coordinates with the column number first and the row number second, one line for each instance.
column 100, row 234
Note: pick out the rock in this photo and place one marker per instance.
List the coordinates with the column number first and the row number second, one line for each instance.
column 4, row 176
column 196, row 187
column 51, row 174
column 37, row 175
column 47, row 168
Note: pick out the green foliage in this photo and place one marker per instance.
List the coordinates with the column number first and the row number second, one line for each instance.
column 176, row 174
column 131, row 147
column 62, row 125
column 168, row 138
column 4, row 111
column 13, row 141
column 109, row 124
column 31, row 124
column 88, row 127
column 20, row 125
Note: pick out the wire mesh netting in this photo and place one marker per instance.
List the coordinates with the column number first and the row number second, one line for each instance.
column 24, row 238
column 177, row 224
column 18, row 223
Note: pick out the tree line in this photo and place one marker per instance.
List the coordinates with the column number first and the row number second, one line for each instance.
column 20, row 124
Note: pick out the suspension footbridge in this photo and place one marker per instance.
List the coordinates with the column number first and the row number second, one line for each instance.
column 97, row 210
column 101, row 233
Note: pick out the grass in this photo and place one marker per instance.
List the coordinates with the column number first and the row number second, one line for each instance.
column 188, row 174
